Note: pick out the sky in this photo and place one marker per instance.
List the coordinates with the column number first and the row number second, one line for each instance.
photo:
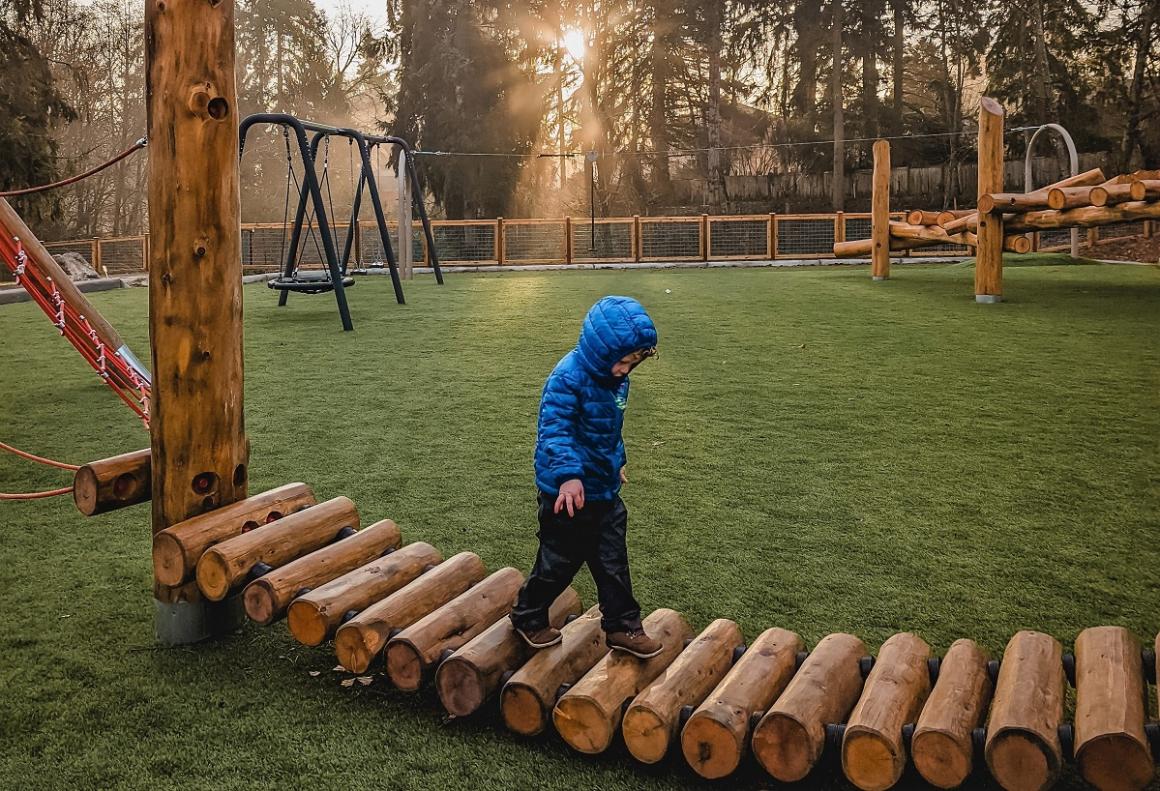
column 375, row 9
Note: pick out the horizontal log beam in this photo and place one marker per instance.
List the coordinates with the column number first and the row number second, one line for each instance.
column 117, row 482
column 177, row 549
column 970, row 222
column 1087, row 217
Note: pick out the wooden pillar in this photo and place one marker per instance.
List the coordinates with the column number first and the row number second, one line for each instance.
column 989, row 255
column 406, row 265
column 880, row 212
column 200, row 452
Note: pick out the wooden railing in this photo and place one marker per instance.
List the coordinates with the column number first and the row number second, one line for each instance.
column 567, row 240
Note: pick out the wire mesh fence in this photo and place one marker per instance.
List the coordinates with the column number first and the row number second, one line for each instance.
column 565, row 241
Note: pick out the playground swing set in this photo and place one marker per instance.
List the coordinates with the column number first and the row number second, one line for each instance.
column 220, row 551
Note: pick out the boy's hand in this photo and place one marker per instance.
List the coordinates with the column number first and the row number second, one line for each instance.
column 571, row 496
column 623, row 475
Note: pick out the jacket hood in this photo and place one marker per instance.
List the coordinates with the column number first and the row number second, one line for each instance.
column 614, row 327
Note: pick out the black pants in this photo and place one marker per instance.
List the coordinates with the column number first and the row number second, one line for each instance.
column 596, row 536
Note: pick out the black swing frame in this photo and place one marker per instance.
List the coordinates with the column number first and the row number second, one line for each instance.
column 311, row 192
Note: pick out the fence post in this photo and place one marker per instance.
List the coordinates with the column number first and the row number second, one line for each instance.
column 567, row 240
column 423, row 244
column 839, row 226
column 1093, row 237
column 1147, row 229
column 636, row 238
column 404, row 253
column 771, row 237
column 96, row 256
column 1035, row 242
column 499, row 245
column 704, row 237
column 357, row 244
column 145, row 253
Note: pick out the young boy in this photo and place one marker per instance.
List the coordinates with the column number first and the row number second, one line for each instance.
column 580, row 463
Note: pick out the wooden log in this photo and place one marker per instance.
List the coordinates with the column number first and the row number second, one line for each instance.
column 177, row 549
column 1071, row 197
column 873, row 755
column 197, row 426
column 117, row 482
column 416, row 649
column 653, row 719
column 930, row 233
column 951, row 215
column 587, row 715
column 473, row 673
column 880, row 212
column 1112, row 194
column 529, row 697
column 942, row 747
column 790, row 737
column 1017, row 202
column 861, row 248
column 224, row 566
column 1111, row 694
column 920, row 217
column 360, row 641
column 970, row 220
column 716, row 736
column 1151, row 190
column 1087, row 217
column 314, row 617
column 267, row 597
column 1023, row 750
column 989, row 254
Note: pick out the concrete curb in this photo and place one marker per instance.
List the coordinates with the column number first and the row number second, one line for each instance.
column 11, row 296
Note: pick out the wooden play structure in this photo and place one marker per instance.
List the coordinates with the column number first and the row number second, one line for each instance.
column 1002, row 221
column 282, row 554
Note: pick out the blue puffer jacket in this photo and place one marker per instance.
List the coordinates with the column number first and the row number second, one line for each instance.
column 582, row 407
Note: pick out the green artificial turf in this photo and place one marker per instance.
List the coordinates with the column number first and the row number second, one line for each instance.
column 810, row 450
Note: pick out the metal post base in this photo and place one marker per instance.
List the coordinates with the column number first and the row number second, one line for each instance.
column 183, row 623
column 880, row 278
column 988, row 299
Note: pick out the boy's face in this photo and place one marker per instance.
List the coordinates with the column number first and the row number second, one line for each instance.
column 623, row 367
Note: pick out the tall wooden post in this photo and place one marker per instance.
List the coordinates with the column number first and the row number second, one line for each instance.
column 406, row 264
column 880, row 212
column 200, row 452
column 989, row 255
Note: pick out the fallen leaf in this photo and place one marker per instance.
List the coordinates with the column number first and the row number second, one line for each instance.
column 365, row 680
column 339, row 669
column 315, row 673
column 347, row 682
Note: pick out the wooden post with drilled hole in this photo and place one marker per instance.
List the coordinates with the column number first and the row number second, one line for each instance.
column 200, row 452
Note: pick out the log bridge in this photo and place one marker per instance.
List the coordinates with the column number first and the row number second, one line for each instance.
column 709, row 699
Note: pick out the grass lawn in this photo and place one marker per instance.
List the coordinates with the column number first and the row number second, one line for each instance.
column 810, row 450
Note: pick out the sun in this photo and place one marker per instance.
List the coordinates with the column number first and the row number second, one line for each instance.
column 575, row 43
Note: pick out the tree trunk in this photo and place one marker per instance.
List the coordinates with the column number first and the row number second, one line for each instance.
column 839, row 184
column 658, row 117
column 870, row 68
column 1042, row 80
column 899, row 58
column 1131, row 137
column 716, row 175
column 805, row 22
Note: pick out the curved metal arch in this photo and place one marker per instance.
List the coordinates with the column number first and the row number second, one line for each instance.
column 1074, row 162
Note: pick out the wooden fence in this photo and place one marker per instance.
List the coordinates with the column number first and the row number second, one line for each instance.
column 567, row 240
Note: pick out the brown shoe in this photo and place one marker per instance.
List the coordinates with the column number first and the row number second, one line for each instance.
column 635, row 642
column 540, row 638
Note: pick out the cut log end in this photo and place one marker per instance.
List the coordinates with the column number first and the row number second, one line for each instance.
column 582, row 724
column 941, row 759
column 460, row 688
column 646, row 734
column 306, row 623
column 404, row 665
column 870, row 761
column 85, row 488
column 991, row 106
column 168, row 560
column 710, row 748
column 353, row 649
column 260, row 602
column 785, row 748
column 213, row 576
column 1116, row 762
column 1019, row 760
column 523, row 712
